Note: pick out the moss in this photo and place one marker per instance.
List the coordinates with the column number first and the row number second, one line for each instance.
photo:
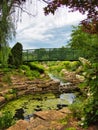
column 63, row 121
column 70, row 128
column 9, row 96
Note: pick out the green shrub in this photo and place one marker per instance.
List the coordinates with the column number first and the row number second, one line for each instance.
column 34, row 66
column 6, row 120
column 67, row 65
column 77, row 109
column 31, row 73
column 63, row 121
column 13, row 91
column 90, row 88
column 7, row 79
column 35, row 74
column 25, row 67
column 6, row 70
column 15, row 56
column 28, row 73
column 72, row 66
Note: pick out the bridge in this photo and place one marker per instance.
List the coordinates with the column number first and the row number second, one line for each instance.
column 52, row 54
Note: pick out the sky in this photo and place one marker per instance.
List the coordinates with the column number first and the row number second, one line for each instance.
column 40, row 31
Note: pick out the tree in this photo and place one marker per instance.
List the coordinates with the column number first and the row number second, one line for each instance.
column 8, row 18
column 15, row 57
column 85, row 43
column 6, row 29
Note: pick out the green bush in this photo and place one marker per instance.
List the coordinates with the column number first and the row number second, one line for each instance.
column 26, row 70
column 6, row 120
column 25, row 67
column 5, row 70
column 28, row 73
column 89, row 109
column 34, row 66
column 7, row 79
column 72, row 66
column 35, row 74
column 77, row 109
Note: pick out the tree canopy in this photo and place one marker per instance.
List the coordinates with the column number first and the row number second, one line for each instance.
column 90, row 7
column 84, row 42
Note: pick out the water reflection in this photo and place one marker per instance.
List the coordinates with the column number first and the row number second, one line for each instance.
column 70, row 97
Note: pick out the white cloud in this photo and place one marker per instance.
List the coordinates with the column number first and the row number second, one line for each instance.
column 34, row 29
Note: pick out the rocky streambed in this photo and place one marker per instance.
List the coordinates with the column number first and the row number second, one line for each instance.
column 18, row 88
column 23, row 99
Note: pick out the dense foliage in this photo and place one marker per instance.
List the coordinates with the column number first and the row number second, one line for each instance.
column 88, row 6
column 6, row 120
column 90, row 89
column 86, row 43
column 7, row 25
column 32, row 70
column 15, row 57
column 7, row 30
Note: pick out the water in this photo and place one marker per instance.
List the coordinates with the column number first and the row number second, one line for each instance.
column 70, row 97
column 47, row 102
column 58, row 79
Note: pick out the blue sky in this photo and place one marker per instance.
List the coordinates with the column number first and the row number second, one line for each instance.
column 42, row 31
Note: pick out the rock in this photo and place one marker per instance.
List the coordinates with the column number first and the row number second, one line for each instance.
column 38, row 108
column 80, row 78
column 18, row 83
column 39, row 127
column 20, row 125
column 38, row 121
column 20, row 93
column 2, row 100
column 56, row 126
column 20, row 87
column 65, row 110
column 3, row 93
column 60, row 106
column 49, row 115
column 70, row 76
column 19, row 114
column 43, row 120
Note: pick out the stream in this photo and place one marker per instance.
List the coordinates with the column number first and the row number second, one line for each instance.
column 25, row 106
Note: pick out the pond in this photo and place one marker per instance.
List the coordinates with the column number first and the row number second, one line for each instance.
column 24, row 107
